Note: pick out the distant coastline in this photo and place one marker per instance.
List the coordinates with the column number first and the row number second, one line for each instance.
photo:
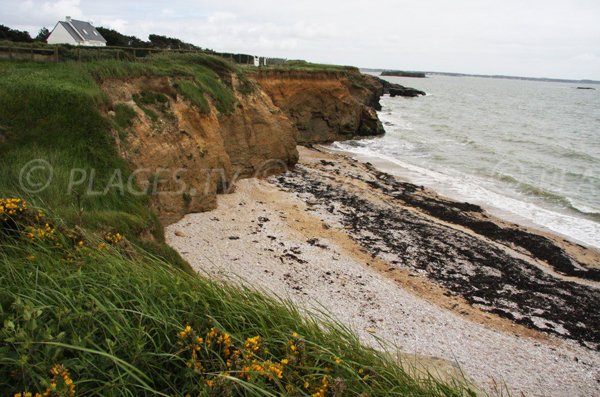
column 491, row 76
column 402, row 73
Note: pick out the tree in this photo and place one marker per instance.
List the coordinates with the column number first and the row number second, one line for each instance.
column 7, row 33
column 42, row 35
column 116, row 39
column 159, row 41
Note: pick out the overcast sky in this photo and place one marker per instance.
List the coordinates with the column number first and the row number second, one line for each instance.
column 537, row 38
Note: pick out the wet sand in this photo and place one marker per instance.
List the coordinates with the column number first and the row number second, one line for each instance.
column 394, row 261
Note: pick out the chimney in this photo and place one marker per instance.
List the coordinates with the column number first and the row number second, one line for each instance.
column 68, row 19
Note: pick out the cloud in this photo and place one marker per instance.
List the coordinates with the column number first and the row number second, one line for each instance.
column 537, row 37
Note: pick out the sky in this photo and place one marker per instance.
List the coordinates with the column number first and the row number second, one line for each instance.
column 559, row 39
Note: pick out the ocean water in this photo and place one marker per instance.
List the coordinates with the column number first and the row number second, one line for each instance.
column 527, row 151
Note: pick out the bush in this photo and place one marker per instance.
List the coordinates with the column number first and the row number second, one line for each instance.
column 119, row 321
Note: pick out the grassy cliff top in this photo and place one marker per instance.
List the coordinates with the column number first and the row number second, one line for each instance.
column 311, row 67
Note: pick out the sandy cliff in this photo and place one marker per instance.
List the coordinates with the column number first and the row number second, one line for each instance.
column 186, row 156
column 326, row 106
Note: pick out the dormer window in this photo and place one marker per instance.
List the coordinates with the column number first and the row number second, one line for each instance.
column 84, row 31
column 95, row 33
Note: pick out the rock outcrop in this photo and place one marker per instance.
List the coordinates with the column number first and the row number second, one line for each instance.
column 325, row 106
column 394, row 89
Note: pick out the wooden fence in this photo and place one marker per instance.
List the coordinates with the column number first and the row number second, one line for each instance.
column 29, row 53
column 83, row 54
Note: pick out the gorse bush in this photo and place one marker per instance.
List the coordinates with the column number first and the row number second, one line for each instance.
column 122, row 322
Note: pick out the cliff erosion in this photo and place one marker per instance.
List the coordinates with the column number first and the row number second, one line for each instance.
column 186, row 155
column 325, row 106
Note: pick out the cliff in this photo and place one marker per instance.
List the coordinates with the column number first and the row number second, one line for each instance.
column 325, row 106
column 185, row 156
column 192, row 140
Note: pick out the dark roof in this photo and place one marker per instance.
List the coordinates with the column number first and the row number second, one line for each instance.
column 71, row 31
column 82, row 30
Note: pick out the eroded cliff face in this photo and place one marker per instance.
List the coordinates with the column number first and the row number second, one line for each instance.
column 325, row 106
column 184, row 157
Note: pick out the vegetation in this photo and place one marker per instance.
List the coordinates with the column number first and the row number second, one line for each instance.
column 194, row 94
column 159, row 41
column 312, row 67
column 125, row 323
column 15, row 35
column 42, row 35
column 92, row 302
column 116, row 39
column 124, row 115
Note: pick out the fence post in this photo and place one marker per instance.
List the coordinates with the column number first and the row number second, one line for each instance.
column 78, row 54
column 32, row 58
column 10, row 54
column 134, row 54
column 56, row 54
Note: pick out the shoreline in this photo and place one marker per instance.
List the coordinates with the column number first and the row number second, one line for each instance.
column 314, row 234
column 399, row 171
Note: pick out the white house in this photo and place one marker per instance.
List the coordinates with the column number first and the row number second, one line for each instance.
column 76, row 32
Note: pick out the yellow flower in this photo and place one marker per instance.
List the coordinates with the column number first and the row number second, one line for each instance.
column 252, row 344
column 185, row 331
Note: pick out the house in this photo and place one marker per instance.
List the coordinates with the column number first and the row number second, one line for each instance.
column 75, row 32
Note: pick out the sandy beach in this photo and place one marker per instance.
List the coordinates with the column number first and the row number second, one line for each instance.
column 511, row 307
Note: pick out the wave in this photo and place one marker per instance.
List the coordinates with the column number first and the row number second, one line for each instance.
column 545, row 195
column 584, row 228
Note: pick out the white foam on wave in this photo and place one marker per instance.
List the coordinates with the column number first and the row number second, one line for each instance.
column 460, row 186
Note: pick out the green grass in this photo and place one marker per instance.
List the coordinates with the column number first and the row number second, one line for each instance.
column 111, row 316
column 194, row 94
column 312, row 67
column 124, row 115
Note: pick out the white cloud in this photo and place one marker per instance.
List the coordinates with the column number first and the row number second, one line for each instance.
column 536, row 37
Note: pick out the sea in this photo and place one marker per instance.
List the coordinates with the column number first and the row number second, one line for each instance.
column 526, row 151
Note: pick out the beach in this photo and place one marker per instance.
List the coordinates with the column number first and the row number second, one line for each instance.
column 512, row 307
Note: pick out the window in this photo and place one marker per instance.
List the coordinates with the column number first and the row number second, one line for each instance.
column 95, row 33
column 84, row 31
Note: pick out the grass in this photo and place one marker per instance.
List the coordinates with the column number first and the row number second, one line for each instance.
column 194, row 94
column 107, row 311
column 118, row 322
column 312, row 67
column 124, row 115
